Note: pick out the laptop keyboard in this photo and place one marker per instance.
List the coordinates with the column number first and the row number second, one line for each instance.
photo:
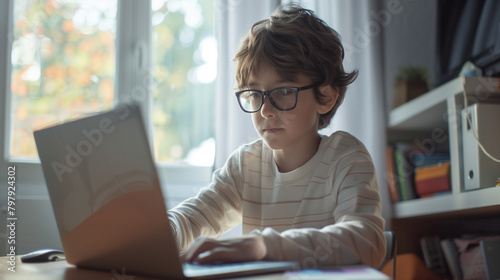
column 227, row 268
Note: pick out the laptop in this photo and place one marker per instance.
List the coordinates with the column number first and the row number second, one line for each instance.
column 108, row 203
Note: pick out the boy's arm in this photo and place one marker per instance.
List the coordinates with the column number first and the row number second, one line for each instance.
column 358, row 233
column 215, row 210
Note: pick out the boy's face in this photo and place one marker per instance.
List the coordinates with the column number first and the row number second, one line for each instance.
column 288, row 131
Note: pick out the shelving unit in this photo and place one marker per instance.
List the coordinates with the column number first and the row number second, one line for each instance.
column 427, row 120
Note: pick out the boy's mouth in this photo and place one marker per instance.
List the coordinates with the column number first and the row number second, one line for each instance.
column 272, row 130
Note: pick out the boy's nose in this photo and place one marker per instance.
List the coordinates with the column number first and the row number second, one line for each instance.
column 267, row 111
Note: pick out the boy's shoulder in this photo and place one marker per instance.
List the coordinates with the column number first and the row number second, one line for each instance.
column 250, row 150
column 344, row 139
column 342, row 144
column 256, row 145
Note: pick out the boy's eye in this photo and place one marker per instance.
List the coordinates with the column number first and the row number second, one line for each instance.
column 283, row 92
column 256, row 94
column 251, row 95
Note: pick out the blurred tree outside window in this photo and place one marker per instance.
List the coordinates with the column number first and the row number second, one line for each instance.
column 63, row 67
column 184, row 70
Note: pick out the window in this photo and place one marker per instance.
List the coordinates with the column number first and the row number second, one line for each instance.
column 69, row 58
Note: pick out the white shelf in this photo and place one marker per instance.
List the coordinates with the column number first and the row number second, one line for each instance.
column 441, row 108
column 448, row 203
column 426, row 111
column 430, row 109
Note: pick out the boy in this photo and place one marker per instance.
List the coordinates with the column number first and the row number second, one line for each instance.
column 300, row 196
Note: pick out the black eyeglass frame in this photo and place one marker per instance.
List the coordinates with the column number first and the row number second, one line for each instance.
column 264, row 93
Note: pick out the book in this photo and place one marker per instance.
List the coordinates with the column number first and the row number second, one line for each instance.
column 432, row 179
column 392, row 175
column 405, row 170
column 419, row 159
column 450, row 253
column 402, row 160
column 490, row 251
column 433, row 256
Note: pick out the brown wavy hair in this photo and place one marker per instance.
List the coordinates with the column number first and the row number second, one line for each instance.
column 294, row 41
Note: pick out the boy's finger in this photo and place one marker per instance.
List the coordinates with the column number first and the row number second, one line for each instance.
column 200, row 246
column 191, row 251
column 219, row 254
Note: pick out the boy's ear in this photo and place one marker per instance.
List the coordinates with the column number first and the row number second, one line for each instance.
column 328, row 98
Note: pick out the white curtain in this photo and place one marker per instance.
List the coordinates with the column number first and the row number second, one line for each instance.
column 233, row 126
column 363, row 111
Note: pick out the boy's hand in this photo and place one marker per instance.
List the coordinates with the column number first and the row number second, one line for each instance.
column 206, row 250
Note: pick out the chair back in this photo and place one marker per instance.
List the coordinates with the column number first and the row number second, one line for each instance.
column 390, row 252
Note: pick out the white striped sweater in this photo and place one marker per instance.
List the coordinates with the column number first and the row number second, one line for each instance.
column 326, row 212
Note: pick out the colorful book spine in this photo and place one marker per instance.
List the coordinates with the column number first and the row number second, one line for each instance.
column 392, row 175
column 432, row 179
column 405, row 170
column 421, row 160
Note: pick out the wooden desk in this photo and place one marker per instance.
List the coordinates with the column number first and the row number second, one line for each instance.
column 54, row 271
column 61, row 270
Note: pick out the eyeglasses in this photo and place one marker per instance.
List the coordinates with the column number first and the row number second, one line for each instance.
column 282, row 98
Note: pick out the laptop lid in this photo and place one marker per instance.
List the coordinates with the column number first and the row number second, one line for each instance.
column 106, row 196
column 107, row 199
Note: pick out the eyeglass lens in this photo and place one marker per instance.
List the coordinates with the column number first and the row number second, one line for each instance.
column 281, row 98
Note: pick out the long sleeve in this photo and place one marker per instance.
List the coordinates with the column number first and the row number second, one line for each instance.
column 215, row 210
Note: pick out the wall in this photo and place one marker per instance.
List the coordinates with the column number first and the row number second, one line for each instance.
column 410, row 39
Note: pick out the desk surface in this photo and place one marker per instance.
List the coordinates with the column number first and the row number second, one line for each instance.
column 60, row 270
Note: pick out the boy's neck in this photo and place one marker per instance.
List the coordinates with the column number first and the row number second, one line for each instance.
column 288, row 160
